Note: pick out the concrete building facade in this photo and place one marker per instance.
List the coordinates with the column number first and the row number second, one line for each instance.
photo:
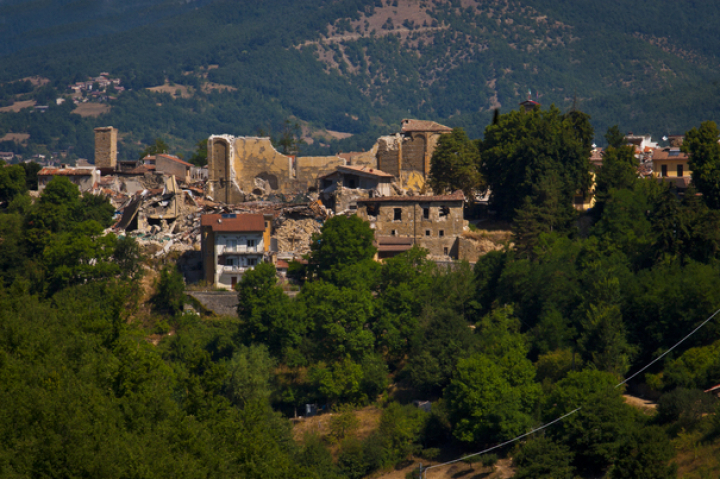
column 231, row 244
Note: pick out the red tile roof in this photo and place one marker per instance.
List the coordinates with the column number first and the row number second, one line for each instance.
column 665, row 154
column 457, row 196
column 234, row 223
column 173, row 158
column 281, row 263
column 423, row 125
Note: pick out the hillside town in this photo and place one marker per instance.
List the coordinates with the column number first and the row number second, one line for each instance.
column 253, row 204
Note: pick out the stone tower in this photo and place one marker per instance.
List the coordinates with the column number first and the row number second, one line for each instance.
column 106, row 148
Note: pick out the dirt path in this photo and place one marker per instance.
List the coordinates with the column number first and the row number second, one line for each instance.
column 502, row 470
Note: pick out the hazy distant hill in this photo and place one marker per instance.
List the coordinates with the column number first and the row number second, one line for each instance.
column 359, row 66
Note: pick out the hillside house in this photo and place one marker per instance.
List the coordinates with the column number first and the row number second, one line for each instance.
column 670, row 164
column 431, row 222
column 232, row 244
column 171, row 166
column 84, row 178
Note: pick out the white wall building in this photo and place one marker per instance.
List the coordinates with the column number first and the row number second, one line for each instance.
column 231, row 244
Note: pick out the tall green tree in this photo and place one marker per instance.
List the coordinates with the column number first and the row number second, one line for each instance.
column 267, row 315
column 524, row 147
column 343, row 241
column 455, row 165
column 702, row 146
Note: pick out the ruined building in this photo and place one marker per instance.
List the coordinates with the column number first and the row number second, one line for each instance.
column 432, row 222
column 106, row 149
column 407, row 154
column 238, row 166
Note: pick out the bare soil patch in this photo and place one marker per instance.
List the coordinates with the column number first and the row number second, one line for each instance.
column 502, row 470
column 639, row 403
column 172, row 90
column 16, row 137
column 91, row 109
column 36, row 80
column 210, row 86
column 18, row 105
column 369, row 418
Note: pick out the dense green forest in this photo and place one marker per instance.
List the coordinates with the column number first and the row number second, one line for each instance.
column 353, row 66
column 98, row 379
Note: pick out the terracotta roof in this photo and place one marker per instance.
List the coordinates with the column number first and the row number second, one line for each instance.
column 672, row 153
column 396, row 240
column 457, row 196
column 529, row 102
column 234, row 222
column 139, row 170
column 423, row 125
column 66, row 172
column 714, row 388
column 596, row 157
column 281, row 263
column 173, row 158
column 387, row 244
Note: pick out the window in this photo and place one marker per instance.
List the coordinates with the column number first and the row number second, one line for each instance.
column 679, row 170
column 251, row 243
column 427, row 232
column 231, row 244
column 443, row 212
column 393, row 233
column 373, row 210
column 663, row 171
column 426, row 213
column 230, row 262
column 252, row 261
column 398, row 214
column 445, row 251
column 441, row 233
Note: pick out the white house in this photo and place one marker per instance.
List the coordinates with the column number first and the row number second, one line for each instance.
column 232, row 244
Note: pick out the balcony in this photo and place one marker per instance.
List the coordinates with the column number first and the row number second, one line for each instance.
column 238, row 249
column 234, row 269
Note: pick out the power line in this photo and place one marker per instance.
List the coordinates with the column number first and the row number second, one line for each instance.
column 424, row 471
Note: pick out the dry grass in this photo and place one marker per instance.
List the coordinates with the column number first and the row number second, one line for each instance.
column 91, row 109
column 502, row 470
column 647, row 407
column 369, row 418
column 18, row 105
column 16, row 137
column 36, row 80
column 697, row 457
column 210, row 86
column 172, row 90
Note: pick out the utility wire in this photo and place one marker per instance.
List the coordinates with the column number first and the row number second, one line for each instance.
column 424, row 471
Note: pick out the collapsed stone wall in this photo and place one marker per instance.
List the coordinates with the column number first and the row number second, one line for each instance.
column 294, row 235
column 239, row 166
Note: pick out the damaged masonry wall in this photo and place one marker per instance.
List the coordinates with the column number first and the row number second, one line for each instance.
column 238, row 166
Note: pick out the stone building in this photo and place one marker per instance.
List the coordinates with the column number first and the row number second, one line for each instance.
column 106, row 149
column 232, row 244
column 407, row 154
column 84, row 178
column 238, row 166
column 431, row 222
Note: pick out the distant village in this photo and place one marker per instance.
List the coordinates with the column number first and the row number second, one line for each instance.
column 253, row 204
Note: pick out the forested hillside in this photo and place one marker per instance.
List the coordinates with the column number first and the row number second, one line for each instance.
column 353, row 66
